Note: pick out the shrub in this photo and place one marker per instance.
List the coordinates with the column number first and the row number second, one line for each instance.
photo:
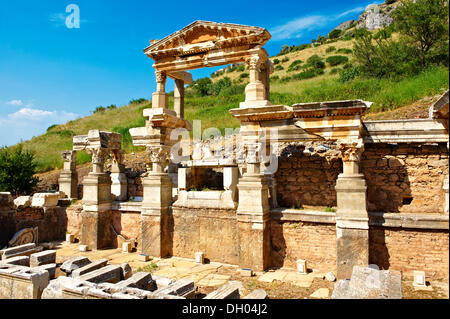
column 285, row 59
column 316, row 62
column 336, row 33
column 17, row 169
column 240, row 68
column 111, row 107
column 334, row 70
column 51, row 126
column 349, row 74
column 330, row 49
column 276, row 61
column 336, row 60
column 244, row 75
column 99, row 109
column 304, row 75
column 345, row 51
column 138, row 101
column 285, row 79
column 279, row 68
column 296, row 62
column 217, row 87
column 202, row 86
column 274, row 78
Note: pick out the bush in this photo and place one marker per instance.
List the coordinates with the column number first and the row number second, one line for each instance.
column 244, row 75
column 296, row 62
column 349, row 74
column 202, row 86
column 345, row 51
column 220, row 85
column 336, row 60
column 316, row 62
column 111, row 107
column 336, row 33
column 285, row 59
column 99, row 109
column 274, row 78
column 304, row 75
column 51, row 126
column 330, row 49
column 138, row 101
column 276, row 61
column 334, row 70
column 17, row 169
column 279, row 68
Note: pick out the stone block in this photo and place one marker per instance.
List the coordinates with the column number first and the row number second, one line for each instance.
column 161, row 281
column 24, row 236
column 199, row 257
column 22, row 250
column 127, row 247
column 246, row 272
column 419, row 279
column 302, row 266
column 330, row 276
column 89, row 268
column 140, row 280
column 110, row 273
column 144, row 257
column 45, row 200
column 228, row 291
column 70, row 238
column 43, row 258
column 6, row 201
column 18, row 282
column 19, row 261
column 51, row 268
column 183, row 288
column 257, row 294
column 83, row 248
column 22, row 202
column 74, row 263
column 126, row 271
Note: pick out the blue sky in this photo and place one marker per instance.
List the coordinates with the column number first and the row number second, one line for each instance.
column 50, row 74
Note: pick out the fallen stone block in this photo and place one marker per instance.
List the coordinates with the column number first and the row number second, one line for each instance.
column 110, row 273
column 126, row 271
column 51, row 268
column 89, row 268
column 140, row 280
column 228, row 291
column 22, row 202
column 162, row 282
column 83, row 248
column 127, row 247
column 22, row 250
column 144, row 257
column 321, row 293
column 70, row 238
column 330, row 276
column 74, row 263
column 246, row 272
column 18, row 282
column 257, row 294
column 45, row 200
column 96, row 293
column 56, row 287
column 43, row 258
column 370, row 283
column 183, row 288
column 19, row 260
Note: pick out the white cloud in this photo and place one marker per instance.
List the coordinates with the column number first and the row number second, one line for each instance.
column 15, row 102
column 295, row 28
column 29, row 122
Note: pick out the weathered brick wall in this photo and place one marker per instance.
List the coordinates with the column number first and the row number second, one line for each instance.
column 51, row 222
column 411, row 249
column 299, row 240
column 307, row 174
column 212, row 231
column 128, row 224
column 405, row 177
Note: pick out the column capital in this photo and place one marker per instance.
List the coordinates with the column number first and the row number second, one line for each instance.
column 351, row 150
column 69, row 156
column 161, row 76
column 98, row 158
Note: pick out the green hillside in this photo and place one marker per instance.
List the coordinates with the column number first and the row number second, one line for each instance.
column 330, row 68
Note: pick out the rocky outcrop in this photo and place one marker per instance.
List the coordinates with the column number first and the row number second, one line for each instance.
column 346, row 24
column 377, row 16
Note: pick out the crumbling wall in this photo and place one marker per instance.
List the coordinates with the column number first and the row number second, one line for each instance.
column 405, row 177
column 212, row 231
column 292, row 240
column 307, row 174
column 411, row 249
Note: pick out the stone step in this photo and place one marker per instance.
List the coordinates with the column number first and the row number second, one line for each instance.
column 140, row 280
column 22, row 250
column 74, row 263
column 89, row 268
column 19, row 260
column 183, row 288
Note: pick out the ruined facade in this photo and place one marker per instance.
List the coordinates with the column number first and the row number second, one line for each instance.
column 344, row 192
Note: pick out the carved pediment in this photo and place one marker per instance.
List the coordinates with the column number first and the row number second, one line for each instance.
column 203, row 36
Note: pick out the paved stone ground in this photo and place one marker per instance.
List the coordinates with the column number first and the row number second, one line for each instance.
column 278, row 283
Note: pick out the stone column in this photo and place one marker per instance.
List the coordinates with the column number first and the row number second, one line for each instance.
column 352, row 219
column 7, row 218
column 96, row 214
column 155, row 204
column 160, row 97
column 253, row 213
column 118, row 177
column 255, row 91
column 178, row 98
column 68, row 179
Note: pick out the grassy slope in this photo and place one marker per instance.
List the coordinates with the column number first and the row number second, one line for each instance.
column 213, row 110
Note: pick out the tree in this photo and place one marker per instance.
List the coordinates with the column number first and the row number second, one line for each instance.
column 336, row 33
column 17, row 169
column 424, row 24
column 203, row 86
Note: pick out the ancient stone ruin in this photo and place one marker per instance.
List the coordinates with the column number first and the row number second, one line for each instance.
column 344, row 192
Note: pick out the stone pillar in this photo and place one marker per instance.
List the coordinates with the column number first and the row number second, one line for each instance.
column 255, row 91
column 96, row 214
column 445, row 187
column 352, row 219
column 178, row 98
column 118, row 177
column 160, row 97
column 155, row 204
column 253, row 214
column 230, row 180
column 68, row 179
column 7, row 218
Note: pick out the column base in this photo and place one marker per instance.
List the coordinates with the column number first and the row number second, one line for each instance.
column 352, row 250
